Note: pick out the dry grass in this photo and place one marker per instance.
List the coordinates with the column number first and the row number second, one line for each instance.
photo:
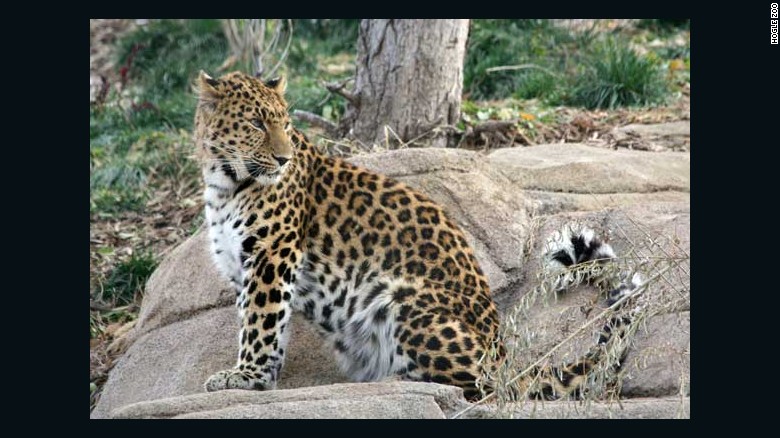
column 665, row 267
column 505, row 129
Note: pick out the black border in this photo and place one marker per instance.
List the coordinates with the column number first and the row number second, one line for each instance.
column 736, row 96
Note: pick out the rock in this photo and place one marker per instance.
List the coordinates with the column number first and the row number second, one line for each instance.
column 547, row 203
column 670, row 129
column 394, row 407
column 173, row 360
column 355, row 400
column 384, row 400
column 660, row 361
column 185, row 283
column 656, row 137
column 668, row 407
column 576, row 168
column 400, row 163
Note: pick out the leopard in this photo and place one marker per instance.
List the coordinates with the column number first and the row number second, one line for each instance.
column 381, row 270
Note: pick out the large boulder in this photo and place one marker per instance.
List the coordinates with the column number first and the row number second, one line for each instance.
column 367, row 400
column 674, row 136
column 636, row 408
column 577, row 168
column 384, row 400
column 507, row 202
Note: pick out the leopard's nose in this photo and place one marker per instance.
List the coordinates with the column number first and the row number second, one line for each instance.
column 281, row 160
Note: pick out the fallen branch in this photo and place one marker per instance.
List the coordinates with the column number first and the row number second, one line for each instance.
column 338, row 88
column 520, row 67
column 498, row 128
column 494, row 125
column 316, row 120
column 99, row 306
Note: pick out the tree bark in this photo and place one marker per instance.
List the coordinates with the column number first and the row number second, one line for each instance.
column 409, row 79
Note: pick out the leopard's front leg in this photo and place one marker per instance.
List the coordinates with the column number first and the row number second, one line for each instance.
column 265, row 309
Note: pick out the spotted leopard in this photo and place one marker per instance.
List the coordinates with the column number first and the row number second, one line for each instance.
column 383, row 272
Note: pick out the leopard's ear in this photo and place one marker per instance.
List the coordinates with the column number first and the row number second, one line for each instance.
column 278, row 84
column 208, row 88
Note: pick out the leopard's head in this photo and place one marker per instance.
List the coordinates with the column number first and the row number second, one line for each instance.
column 242, row 126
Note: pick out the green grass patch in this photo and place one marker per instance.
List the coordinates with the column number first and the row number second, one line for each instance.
column 196, row 223
column 536, row 84
column 127, row 165
column 536, row 59
column 545, row 49
column 164, row 56
column 126, row 281
column 617, row 76
column 116, row 187
column 330, row 36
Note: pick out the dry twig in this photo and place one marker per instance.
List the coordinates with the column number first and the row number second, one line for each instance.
column 313, row 119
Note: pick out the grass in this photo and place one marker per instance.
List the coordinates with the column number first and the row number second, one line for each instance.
column 617, row 76
column 128, row 163
column 127, row 280
column 495, row 43
column 537, row 59
column 146, row 55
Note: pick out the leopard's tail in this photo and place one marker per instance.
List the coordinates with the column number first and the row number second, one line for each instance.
column 572, row 255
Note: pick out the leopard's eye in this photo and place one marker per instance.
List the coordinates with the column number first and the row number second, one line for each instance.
column 257, row 123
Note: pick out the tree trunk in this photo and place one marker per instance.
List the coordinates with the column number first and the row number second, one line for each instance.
column 408, row 82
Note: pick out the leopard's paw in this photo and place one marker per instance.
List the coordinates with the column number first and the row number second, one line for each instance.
column 237, row 379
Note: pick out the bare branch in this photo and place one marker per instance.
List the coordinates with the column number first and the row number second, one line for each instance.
column 520, row 67
column 93, row 305
column 286, row 50
column 316, row 120
column 494, row 125
column 255, row 44
column 489, row 131
column 338, row 88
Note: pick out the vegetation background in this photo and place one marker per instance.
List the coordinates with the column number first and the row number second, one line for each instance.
column 544, row 80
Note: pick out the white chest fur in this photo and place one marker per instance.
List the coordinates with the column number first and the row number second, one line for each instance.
column 221, row 214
